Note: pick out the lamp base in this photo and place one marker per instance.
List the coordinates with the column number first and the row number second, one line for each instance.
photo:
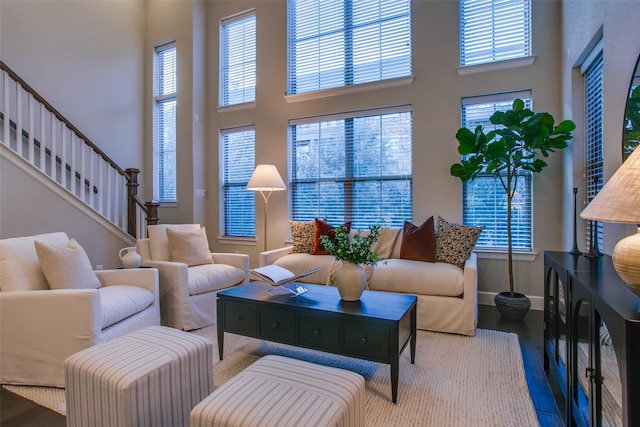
column 626, row 260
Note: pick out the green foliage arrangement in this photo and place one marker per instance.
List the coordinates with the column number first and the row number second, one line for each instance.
column 356, row 250
column 522, row 136
column 631, row 137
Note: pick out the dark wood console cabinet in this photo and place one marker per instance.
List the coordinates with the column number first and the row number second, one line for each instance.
column 592, row 340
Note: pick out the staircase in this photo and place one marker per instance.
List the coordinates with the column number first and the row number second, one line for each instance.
column 40, row 138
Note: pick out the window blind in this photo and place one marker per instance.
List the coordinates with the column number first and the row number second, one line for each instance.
column 336, row 43
column 494, row 30
column 238, row 59
column 593, row 146
column 484, row 199
column 237, row 214
column 352, row 167
column 164, row 123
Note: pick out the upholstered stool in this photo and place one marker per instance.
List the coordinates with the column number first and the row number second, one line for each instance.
column 279, row 391
column 151, row 377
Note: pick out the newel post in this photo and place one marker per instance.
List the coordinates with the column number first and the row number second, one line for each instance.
column 132, row 190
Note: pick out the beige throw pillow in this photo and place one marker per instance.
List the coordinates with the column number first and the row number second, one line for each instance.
column 189, row 247
column 66, row 267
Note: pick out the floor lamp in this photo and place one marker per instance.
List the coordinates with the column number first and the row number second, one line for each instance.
column 266, row 180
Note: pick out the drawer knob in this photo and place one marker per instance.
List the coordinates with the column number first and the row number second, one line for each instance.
column 275, row 325
column 316, row 332
column 239, row 318
column 364, row 340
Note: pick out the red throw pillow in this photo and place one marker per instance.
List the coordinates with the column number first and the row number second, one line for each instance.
column 418, row 243
column 321, row 228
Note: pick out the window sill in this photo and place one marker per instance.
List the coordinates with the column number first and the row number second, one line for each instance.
column 171, row 204
column 236, row 107
column 242, row 241
column 503, row 255
column 496, row 66
column 348, row 90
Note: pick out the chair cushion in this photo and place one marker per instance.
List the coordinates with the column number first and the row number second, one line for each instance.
column 119, row 302
column 159, row 242
column 417, row 277
column 19, row 266
column 189, row 247
column 213, row 277
column 66, row 266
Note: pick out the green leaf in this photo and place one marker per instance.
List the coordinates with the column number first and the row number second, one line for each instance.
column 565, row 126
column 518, row 104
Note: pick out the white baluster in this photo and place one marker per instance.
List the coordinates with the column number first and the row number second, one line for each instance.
column 30, row 138
column 101, row 192
column 63, row 156
column 54, row 152
column 7, row 110
column 43, row 145
column 19, row 118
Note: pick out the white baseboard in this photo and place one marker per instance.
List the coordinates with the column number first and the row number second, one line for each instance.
column 486, row 298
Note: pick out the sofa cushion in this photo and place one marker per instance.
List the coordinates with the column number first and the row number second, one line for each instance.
column 386, row 241
column 19, row 266
column 322, row 228
column 417, row 277
column 301, row 263
column 302, row 236
column 119, row 302
column 455, row 242
column 66, row 266
column 189, row 247
column 418, row 242
column 159, row 242
column 212, row 277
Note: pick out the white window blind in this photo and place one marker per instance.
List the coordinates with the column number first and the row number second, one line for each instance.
column 164, row 123
column 336, row 43
column 352, row 167
column 238, row 59
column 484, row 199
column 237, row 154
column 494, row 30
column 593, row 147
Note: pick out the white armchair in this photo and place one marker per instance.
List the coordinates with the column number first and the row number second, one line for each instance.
column 188, row 294
column 40, row 327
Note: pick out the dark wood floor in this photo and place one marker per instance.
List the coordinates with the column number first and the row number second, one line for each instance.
column 18, row 412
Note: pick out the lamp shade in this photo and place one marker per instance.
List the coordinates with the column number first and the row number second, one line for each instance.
column 266, row 178
column 619, row 199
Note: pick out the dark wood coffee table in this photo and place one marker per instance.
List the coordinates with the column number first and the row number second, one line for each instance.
column 378, row 327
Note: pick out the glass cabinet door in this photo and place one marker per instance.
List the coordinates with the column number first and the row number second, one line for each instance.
column 581, row 372
column 607, row 385
column 557, row 323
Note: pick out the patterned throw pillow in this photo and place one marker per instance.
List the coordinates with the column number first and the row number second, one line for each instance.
column 302, row 235
column 455, row 242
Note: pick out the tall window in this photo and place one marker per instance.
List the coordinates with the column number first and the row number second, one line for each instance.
column 484, row 199
column 494, row 30
column 352, row 167
column 337, row 43
column 164, row 123
column 238, row 59
column 593, row 147
column 237, row 204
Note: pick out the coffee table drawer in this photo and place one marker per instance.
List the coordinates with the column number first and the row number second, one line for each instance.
column 240, row 318
column 278, row 325
column 320, row 332
column 367, row 340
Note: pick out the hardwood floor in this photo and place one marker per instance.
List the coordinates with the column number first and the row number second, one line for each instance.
column 18, row 412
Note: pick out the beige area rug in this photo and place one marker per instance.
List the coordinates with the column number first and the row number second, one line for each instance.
column 456, row 380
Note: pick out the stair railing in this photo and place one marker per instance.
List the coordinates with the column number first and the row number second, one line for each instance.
column 43, row 137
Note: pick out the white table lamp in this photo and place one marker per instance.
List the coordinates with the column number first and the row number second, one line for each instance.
column 619, row 201
column 266, row 180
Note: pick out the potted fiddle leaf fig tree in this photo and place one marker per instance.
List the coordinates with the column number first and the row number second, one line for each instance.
column 519, row 140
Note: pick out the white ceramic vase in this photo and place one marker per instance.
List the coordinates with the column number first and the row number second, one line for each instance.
column 129, row 257
column 350, row 279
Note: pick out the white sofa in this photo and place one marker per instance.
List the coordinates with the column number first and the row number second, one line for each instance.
column 40, row 327
column 447, row 294
column 188, row 294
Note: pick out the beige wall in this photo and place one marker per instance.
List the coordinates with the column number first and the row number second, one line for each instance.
column 126, row 31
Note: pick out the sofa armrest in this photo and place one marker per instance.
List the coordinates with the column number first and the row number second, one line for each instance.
column 237, row 260
column 269, row 257
column 40, row 329
column 470, row 292
column 174, row 290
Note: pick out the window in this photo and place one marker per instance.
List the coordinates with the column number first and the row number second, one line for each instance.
column 164, row 123
column 237, row 154
column 593, row 147
column 352, row 167
column 341, row 43
column 238, row 59
column 494, row 30
column 484, row 199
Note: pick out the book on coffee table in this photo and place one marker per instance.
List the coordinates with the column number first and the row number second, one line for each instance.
column 276, row 275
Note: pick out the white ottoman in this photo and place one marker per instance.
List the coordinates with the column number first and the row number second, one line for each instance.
column 151, row 377
column 278, row 391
